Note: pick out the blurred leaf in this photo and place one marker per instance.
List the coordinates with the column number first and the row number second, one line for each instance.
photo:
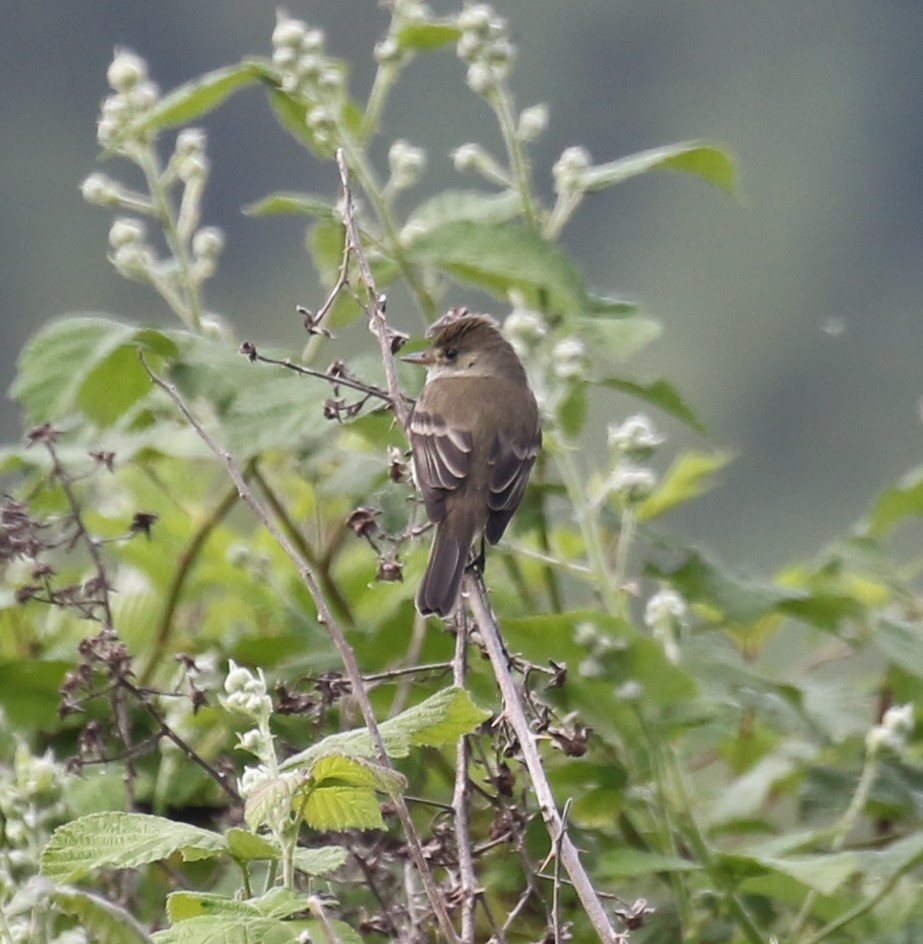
column 704, row 160
column 87, row 362
column 29, row 692
column 104, row 921
column 197, row 97
column 321, row 860
column 744, row 797
column 613, row 340
column 687, row 478
column 453, row 205
column 609, row 305
column 823, row 873
column 660, row 393
column 236, row 929
column 291, row 113
column 122, row 841
column 702, row 580
column 247, row 846
column 304, row 203
column 498, row 258
column 618, row 863
column 902, row 644
column 572, row 410
column 895, row 504
column 428, row 34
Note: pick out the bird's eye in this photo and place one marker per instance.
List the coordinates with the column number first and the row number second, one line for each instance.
column 451, row 353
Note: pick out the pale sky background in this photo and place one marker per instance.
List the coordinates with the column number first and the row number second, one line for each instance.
column 792, row 319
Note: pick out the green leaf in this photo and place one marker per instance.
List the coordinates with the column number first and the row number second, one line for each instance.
column 29, row 693
column 500, row 257
column 341, row 807
column 246, row 846
column 902, row 644
column 236, row 929
column 703, row 580
column 618, row 863
column 320, row 861
column 688, row 477
column 438, row 720
column 197, row 97
column 704, row 160
column 304, row 203
column 822, row 873
column 660, row 393
column 427, row 35
column 611, row 340
column 895, row 504
column 86, row 362
column 572, row 410
column 278, row 903
column 105, row 922
column 122, row 841
column 609, row 305
column 451, row 206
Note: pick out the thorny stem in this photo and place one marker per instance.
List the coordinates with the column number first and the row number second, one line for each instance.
column 461, row 796
column 513, row 710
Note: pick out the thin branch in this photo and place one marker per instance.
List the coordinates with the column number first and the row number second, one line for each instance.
column 378, row 324
column 327, row 619
column 461, row 797
column 515, row 715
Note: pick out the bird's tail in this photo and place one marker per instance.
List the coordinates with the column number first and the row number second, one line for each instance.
column 439, row 588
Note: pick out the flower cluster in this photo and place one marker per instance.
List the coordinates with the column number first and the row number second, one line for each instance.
column 896, row 725
column 631, row 442
column 665, row 616
column 308, row 73
column 486, row 47
column 133, row 94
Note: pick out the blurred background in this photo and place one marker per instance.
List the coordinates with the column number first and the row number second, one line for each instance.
column 792, row 318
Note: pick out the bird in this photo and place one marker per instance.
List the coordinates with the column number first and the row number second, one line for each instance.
column 475, row 432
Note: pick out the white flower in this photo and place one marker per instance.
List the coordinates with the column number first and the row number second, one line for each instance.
column 636, row 435
column 126, row 71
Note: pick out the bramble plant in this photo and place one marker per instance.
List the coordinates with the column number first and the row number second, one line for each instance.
column 265, row 741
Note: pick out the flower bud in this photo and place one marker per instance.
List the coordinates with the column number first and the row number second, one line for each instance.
column 532, row 122
column 126, row 231
column 126, row 70
column 568, row 170
column 100, row 190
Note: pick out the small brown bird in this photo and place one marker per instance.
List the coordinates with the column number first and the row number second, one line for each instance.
column 474, row 433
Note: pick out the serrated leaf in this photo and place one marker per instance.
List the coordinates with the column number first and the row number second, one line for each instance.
column 688, row 477
column 305, row 204
column 704, row 160
column 236, row 929
column 247, row 846
column 455, row 205
column 427, row 35
column 197, row 97
column 122, row 841
column 660, row 393
column 896, row 504
column 320, row 861
column 498, row 258
column 277, row 903
column 105, row 922
column 65, row 366
column 439, row 720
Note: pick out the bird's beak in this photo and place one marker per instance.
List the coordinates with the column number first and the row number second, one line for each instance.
column 422, row 358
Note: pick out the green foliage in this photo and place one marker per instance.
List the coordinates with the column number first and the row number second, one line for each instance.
column 733, row 749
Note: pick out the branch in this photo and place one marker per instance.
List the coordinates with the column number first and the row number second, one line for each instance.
column 327, row 619
column 389, row 340
column 515, row 715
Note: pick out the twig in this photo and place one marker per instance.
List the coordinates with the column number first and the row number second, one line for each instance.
column 461, row 796
column 375, row 310
column 516, row 716
column 327, row 619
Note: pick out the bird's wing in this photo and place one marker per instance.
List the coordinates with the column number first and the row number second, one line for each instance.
column 441, row 457
column 511, row 461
